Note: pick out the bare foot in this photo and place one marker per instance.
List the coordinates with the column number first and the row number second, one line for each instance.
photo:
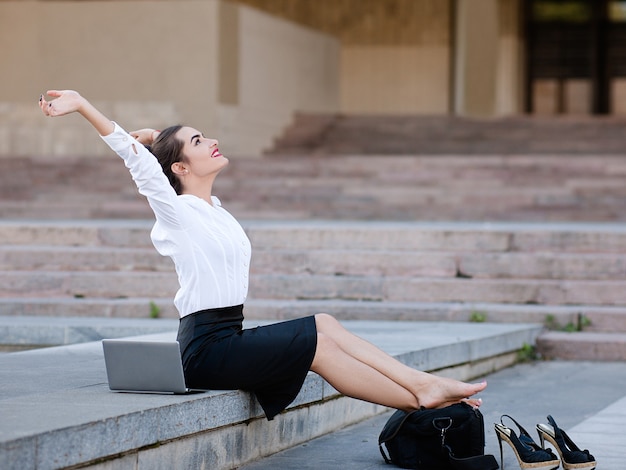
column 441, row 392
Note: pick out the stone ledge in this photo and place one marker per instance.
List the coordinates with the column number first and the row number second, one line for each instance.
column 58, row 412
column 588, row 346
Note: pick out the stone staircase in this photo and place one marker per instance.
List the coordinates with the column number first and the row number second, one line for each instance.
column 349, row 187
column 332, row 134
column 452, row 213
column 568, row 276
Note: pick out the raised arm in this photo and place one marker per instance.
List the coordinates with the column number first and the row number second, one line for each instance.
column 143, row 166
column 69, row 101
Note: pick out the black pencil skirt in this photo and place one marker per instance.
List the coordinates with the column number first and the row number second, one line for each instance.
column 271, row 361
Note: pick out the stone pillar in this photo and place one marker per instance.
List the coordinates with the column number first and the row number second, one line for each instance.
column 476, row 36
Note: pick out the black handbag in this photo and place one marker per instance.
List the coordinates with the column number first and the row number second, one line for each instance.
column 451, row 438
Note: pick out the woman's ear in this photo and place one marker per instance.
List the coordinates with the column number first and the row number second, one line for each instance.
column 178, row 168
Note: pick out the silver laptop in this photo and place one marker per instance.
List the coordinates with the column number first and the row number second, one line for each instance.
column 144, row 366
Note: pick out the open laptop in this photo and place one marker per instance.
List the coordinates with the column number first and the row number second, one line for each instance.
column 144, row 366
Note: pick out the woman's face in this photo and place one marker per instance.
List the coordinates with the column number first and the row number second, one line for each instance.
column 202, row 154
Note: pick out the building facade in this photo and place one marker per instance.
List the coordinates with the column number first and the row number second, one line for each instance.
column 240, row 69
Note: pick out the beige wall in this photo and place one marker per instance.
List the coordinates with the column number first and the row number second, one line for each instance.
column 395, row 79
column 283, row 67
column 238, row 73
column 136, row 59
column 154, row 63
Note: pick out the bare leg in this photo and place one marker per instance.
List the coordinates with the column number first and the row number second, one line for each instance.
column 357, row 379
column 429, row 390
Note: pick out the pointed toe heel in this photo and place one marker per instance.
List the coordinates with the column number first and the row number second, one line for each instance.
column 528, row 453
column 571, row 456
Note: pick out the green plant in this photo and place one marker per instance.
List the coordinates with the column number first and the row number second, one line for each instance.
column 583, row 322
column 570, row 328
column 551, row 322
column 155, row 310
column 527, row 353
column 478, row 317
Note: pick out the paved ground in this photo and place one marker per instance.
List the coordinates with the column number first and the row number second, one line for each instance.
column 587, row 399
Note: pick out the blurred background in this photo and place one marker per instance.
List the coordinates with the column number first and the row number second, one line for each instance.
column 241, row 69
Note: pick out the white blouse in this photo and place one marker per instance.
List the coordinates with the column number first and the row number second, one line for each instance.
column 209, row 248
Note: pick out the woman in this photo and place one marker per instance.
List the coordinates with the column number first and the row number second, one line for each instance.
column 211, row 253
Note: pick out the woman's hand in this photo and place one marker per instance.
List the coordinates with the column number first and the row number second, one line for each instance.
column 69, row 101
column 66, row 102
column 145, row 136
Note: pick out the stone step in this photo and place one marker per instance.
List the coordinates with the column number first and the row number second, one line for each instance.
column 57, row 411
column 280, row 286
column 79, row 284
column 443, row 187
column 588, row 346
column 571, row 317
column 81, row 258
column 439, row 290
column 483, row 265
column 134, row 307
column 333, row 262
column 419, row 134
column 442, row 236
column 601, row 238
column 71, row 232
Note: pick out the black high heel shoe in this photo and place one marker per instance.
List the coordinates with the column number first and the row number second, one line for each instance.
column 528, row 453
column 572, row 457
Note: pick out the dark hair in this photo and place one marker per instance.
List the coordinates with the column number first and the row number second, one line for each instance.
column 168, row 149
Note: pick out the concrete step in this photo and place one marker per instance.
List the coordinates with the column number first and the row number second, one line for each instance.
column 555, row 317
column 57, row 411
column 439, row 290
column 338, row 262
column 81, row 258
column 436, row 187
column 77, row 232
column 407, row 236
column 565, row 276
column 121, row 284
column 588, row 346
column 483, row 265
column 45, row 306
column 31, row 332
column 419, row 134
column 79, row 284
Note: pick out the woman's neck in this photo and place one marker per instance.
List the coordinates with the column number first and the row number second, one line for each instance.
column 202, row 191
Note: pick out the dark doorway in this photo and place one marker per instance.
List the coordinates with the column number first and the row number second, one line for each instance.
column 576, row 56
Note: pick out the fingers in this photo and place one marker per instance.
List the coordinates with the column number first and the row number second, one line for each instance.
column 44, row 105
column 145, row 136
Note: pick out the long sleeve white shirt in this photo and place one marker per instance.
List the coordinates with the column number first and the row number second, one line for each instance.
column 209, row 248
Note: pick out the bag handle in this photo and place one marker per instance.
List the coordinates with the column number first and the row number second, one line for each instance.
column 382, row 452
column 479, row 462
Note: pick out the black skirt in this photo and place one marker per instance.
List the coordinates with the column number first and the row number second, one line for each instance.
column 271, row 361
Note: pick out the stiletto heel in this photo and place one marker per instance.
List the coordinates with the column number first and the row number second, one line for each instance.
column 528, row 453
column 572, row 457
